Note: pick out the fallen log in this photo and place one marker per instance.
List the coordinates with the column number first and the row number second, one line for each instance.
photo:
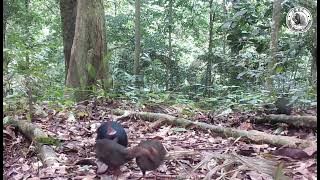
column 297, row 121
column 32, row 132
column 253, row 135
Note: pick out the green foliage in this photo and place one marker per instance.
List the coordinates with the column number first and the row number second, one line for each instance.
column 241, row 53
column 34, row 50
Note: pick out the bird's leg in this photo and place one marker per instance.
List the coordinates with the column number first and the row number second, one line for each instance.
column 116, row 172
column 143, row 175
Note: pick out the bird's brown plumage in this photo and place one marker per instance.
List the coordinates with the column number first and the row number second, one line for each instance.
column 111, row 153
column 150, row 155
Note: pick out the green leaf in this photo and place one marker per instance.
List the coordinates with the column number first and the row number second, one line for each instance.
column 279, row 69
column 240, row 13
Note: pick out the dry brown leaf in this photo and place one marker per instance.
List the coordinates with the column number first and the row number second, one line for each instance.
column 246, row 126
column 18, row 176
column 258, row 176
column 61, row 170
column 260, row 146
column 37, row 165
column 101, row 167
column 303, row 169
column 10, row 132
column 310, row 150
column 87, row 177
column 25, row 167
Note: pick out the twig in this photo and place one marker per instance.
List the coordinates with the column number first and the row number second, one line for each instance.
column 208, row 158
column 212, row 171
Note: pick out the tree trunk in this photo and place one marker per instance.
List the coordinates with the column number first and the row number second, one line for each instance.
column 314, row 69
column 115, row 8
column 314, row 55
column 170, row 75
column 86, row 58
column 137, row 50
column 68, row 11
column 5, row 19
column 275, row 26
column 224, row 32
column 28, row 80
column 209, row 58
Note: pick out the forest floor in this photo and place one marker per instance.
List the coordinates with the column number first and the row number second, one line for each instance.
column 77, row 133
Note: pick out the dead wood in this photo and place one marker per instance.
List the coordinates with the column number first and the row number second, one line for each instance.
column 32, row 132
column 157, row 124
column 253, row 135
column 297, row 121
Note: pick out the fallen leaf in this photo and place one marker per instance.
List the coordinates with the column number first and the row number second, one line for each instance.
column 101, row 167
column 163, row 168
column 25, row 167
column 179, row 129
column 71, row 118
column 211, row 139
column 34, row 178
column 310, row 150
column 18, row 176
column 262, row 176
column 88, row 177
column 246, row 126
column 37, row 165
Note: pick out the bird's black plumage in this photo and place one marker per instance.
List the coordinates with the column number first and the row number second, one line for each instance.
column 283, row 106
column 113, row 131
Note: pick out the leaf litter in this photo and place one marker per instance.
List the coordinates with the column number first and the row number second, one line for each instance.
column 207, row 156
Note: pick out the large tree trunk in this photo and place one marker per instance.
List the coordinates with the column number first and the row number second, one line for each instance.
column 68, row 11
column 86, row 59
column 275, row 26
column 137, row 49
column 209, row 58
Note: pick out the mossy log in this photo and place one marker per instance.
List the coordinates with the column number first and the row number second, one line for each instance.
column 253, row 135
column 35, row 134
column 297, row 121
